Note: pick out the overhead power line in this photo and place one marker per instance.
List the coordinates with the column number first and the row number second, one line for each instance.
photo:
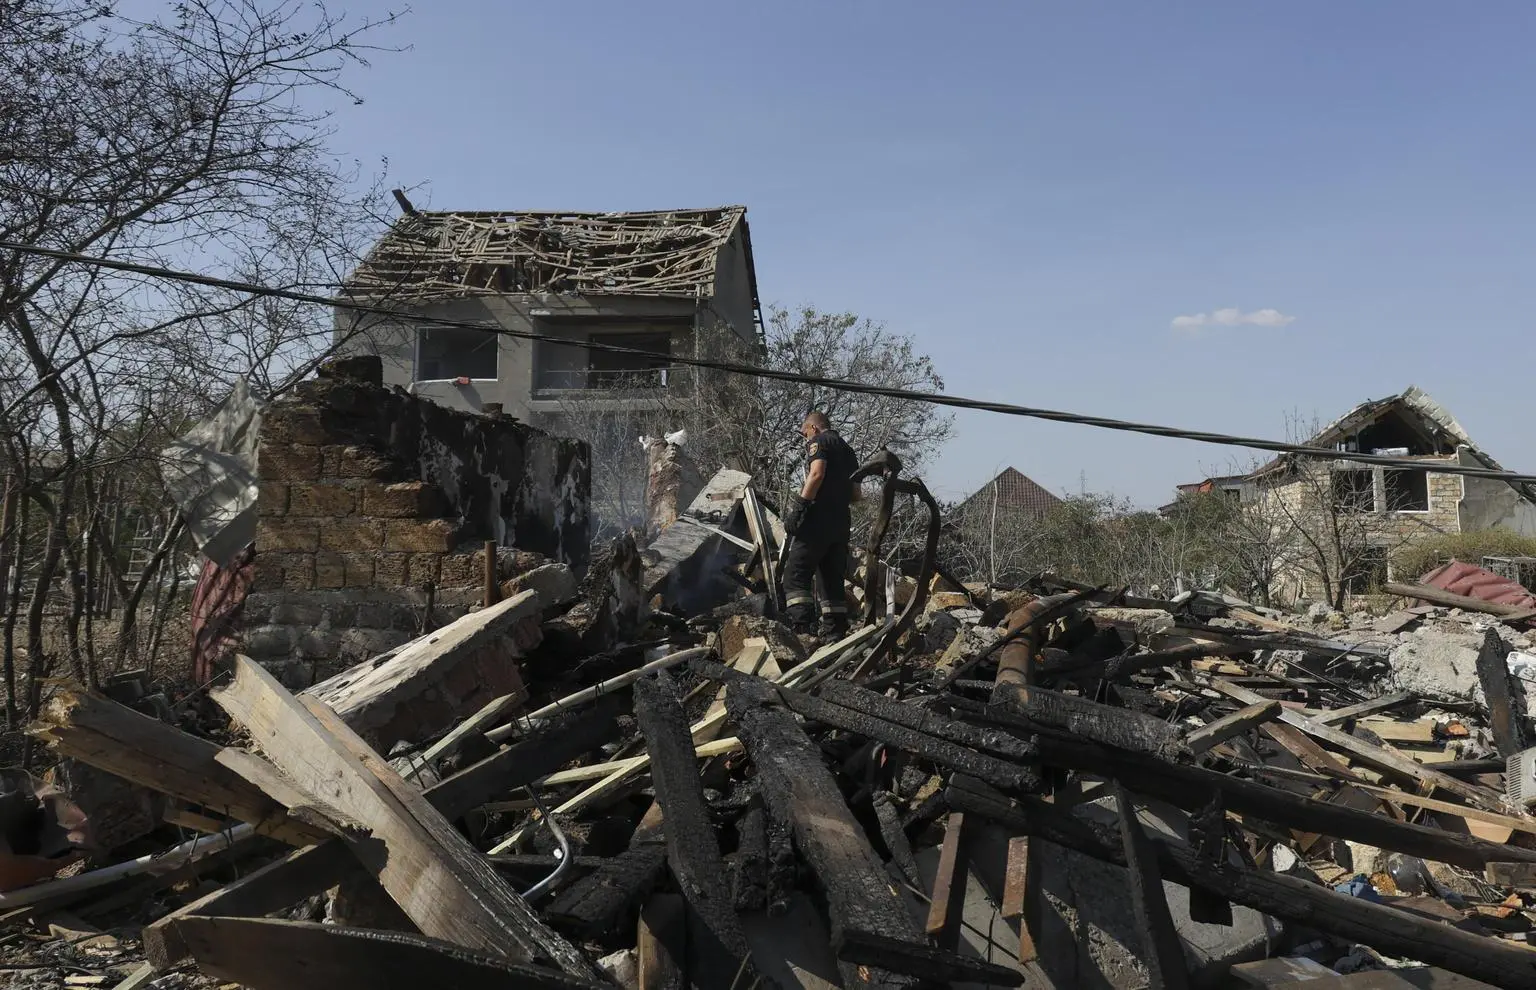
column 837, row 384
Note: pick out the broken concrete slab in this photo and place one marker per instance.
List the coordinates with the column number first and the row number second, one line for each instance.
column 1088, row 935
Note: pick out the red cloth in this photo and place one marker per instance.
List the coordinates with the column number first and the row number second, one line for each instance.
column 217, row 602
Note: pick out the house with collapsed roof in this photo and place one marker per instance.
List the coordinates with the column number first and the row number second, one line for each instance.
column 660, row 283
column 1347, row 518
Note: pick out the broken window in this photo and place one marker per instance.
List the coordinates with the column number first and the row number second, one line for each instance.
column 648, row 370
column 1353, row 490
column 1367, row 573
column 444, row 353
column 571, row 366
column 1406, row 491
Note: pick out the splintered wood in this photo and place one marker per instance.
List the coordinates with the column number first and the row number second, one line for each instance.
column 704, row 804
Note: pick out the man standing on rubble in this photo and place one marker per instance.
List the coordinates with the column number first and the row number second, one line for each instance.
column 817, row 523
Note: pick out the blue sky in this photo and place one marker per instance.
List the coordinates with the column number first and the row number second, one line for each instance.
column 1036, row 192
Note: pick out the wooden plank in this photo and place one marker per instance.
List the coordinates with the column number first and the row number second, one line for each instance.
column 1376, row 756
column 1015, row 878
column 1192, row 788
column 1493, row 674
column 661, row 944
column 1020, row 894
column 948, row 901
column 1316, row 907
column 1385, row 703
column 1512, row 822
column 148, row 752
column 753, row 654
column 693, row 852
column 551, row 744
column 1238, row 722
column 762, row 536
column 300, row 874
column 268, row 954
column 439, row 880
column 1515, row 613
column 800, row 792
column 1163, row 953
column 620, row 777
column 430, row 683
column 1420, row 733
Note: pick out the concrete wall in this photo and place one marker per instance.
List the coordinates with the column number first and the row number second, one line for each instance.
column 1488, row 504
column 369, row 495
column 733, row 288
column 394, row 341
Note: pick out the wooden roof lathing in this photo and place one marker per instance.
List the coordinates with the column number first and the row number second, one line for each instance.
column 451, row 253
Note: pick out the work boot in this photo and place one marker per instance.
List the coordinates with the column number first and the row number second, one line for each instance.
column 831, row 630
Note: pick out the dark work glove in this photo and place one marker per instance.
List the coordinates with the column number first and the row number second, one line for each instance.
column 795, row 514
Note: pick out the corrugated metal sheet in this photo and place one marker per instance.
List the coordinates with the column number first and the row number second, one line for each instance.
column 1474, row 582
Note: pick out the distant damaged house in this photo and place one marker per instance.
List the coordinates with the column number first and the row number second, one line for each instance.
column 1347, row 518
column 661, row 284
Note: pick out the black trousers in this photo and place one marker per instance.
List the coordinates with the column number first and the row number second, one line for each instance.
column 824, row 553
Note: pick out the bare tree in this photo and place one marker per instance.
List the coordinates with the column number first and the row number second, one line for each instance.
column 184, row 141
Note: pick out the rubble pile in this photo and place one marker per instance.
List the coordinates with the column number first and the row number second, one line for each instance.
column 978, row 786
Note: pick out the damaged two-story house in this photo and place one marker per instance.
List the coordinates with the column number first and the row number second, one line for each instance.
column 1343, row 520
column 663, row 284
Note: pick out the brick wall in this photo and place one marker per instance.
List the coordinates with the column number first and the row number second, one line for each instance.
column 369, row 497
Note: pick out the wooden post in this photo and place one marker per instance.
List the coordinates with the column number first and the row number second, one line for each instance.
column 492, row 588
column 693, row 852
column 1164, row 953
column 948, row 903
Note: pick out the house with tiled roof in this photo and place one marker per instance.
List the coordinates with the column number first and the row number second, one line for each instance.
column 1013, row 495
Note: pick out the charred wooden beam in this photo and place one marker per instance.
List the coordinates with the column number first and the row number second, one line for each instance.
column 988, row 740
column 1164, row 953
column 1387, row 929
column 1041, row 710
column 268, row 954
column 1493, row 674
column 693, row 852
column 302, row 873
column 800, row 791
column 929, row 747
column 1238, row 722
column 596, row 906
column 551, row 745
column 1191, row 787
column 936, row 966
column 895, row 838
column 748, row 867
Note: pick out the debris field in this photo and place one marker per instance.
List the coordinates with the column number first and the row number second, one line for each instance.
column 1051, row 785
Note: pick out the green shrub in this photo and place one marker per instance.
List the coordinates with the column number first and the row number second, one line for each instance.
column 1413, row 560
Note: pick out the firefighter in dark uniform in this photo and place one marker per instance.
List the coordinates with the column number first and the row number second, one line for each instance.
column 818, row 520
